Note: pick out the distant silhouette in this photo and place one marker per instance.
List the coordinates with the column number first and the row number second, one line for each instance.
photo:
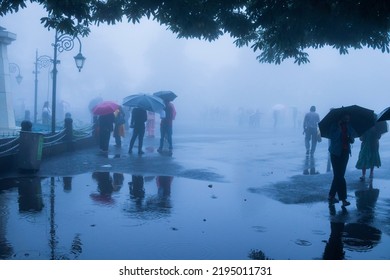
column 46, row 113
column 310, row 129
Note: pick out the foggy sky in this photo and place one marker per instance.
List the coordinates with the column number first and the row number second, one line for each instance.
column 124, row 59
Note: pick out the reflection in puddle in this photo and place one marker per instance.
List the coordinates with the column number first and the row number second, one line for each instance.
column 107, row 215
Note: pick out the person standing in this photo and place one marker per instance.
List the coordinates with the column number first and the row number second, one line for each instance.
column 119, row 130
column 166, row 126
column 369, row 151
column 46, row 113
column 342, row 135
column 138, row 119
column 310, row 129
column 106, row 123
column 150, row 124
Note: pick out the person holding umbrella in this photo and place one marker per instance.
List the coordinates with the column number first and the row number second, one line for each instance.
column 166, row 125
column 138, row 119
column 167, row 117
column 341, row 136
column 106, row 118
column 106, row 126
column 369, row 149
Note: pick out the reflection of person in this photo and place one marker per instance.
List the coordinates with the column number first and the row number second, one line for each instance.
column 369, row 152
column 365, row 203
column 166, row 126
column 46, row 113
column 310, row 129
column 119, row 126
column 104, row 181
column 334, row 249
column 136, row 187
column 341, row 137
column 164, row 185
column 105, row 188
column 105, row 127
column 138, row 119
column 30, row 195
column 67, row 181
column 118, row 181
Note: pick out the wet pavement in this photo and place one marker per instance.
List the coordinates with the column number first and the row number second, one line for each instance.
column 223, row 194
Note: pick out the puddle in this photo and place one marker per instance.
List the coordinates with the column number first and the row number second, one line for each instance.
column 106, row 215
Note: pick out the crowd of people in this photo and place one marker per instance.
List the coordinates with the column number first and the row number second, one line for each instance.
column 140, row 122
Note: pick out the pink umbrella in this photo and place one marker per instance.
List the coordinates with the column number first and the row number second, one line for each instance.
column 105, row 108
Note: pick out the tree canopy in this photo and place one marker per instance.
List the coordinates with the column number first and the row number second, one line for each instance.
column 276, row 29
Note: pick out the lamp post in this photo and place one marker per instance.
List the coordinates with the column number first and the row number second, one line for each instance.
column 63, row 42
column 42, row 61
column 13, row 67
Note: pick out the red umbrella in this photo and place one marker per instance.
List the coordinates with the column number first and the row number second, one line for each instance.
column 105, row 108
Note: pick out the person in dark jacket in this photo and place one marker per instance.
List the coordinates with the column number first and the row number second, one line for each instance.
column 342, row 136
column 138, row 119
column 166, row 126
column 106, row 125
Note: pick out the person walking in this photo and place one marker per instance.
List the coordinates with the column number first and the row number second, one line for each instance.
column 342, row 135
column 138, row 119
column 166, row 126
column 310, row 129
column 106, row 124
column 369, row 151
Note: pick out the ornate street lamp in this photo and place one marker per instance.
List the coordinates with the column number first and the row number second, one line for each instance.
column 13, row 67
column 63, row 42
column 42, row 61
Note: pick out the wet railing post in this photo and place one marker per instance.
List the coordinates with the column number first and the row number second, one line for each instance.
column 68, row 123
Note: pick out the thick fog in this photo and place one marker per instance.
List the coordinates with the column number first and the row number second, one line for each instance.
column 214, row 81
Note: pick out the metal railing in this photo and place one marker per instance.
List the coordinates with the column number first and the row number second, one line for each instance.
column 10, row 145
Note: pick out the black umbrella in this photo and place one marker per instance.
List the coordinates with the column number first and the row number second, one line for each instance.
column 166, row 95
column 361, row 119
column 384, row 115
